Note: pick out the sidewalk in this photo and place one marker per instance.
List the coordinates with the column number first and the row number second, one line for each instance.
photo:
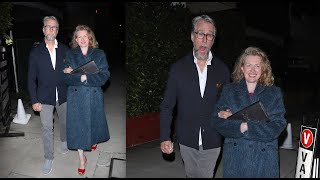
column 22, row 157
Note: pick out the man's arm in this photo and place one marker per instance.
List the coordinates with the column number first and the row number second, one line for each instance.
column 32, row 77
column 166, row 107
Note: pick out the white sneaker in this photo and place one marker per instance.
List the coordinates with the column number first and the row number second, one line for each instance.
column 47, row 166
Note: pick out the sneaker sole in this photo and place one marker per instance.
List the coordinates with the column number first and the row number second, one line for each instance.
column 50, row 169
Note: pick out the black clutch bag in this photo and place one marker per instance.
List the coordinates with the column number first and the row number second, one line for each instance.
column 88, row 68
column 254, row 112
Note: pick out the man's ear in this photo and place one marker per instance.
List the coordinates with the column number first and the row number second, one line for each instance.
column 192, row 37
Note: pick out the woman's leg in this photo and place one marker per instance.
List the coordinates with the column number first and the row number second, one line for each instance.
column 83, row 161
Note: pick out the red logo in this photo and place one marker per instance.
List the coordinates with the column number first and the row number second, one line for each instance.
column 306, row 138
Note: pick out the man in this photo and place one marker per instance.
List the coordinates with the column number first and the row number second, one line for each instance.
column 194, row 84
column 47, row 89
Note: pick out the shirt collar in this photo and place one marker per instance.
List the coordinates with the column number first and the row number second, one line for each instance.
column 55, row 44
column 208, row 61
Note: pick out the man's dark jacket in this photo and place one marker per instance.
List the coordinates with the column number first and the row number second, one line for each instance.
column 193, row 111
column 43, row 79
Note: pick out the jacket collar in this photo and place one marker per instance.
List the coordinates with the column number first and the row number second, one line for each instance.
column 55, row 43
column 78, row 51
column 243, row 87
column 208, row 60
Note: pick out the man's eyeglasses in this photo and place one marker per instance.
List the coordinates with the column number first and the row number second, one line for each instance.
column 209, row 37
column 47, row 27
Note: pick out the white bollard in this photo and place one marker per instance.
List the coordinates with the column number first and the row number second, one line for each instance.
column 287, row 144
column 21, row 117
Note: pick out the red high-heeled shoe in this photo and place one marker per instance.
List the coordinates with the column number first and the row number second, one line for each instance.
column 94, row 147
column 82, row 171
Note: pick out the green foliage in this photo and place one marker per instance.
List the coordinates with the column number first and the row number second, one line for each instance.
column 5, row 16
column 157, row 35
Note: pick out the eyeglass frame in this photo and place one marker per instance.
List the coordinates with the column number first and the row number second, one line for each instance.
column 204, row 35
column 48, row 27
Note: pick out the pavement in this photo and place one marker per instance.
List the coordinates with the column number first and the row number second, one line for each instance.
column 22, row 156
column 147, row 160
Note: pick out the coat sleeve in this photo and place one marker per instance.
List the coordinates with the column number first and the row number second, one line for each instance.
column 167, row 105
column 269, row 131
column 227, row 128
column 71, row 79
column 100, row 78
column 32, row 77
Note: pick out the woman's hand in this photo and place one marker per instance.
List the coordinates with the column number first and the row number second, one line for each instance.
column 243, row 127
column 83, row 77
column 68, row 70
column 224, row 114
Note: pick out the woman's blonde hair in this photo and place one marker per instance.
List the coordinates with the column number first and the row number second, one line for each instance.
column 266, row 78
column 93, row 43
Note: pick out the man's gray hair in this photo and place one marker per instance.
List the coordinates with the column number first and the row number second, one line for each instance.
column 49, row 17
column 207, row 19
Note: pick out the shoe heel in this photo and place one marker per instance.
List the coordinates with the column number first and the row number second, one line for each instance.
column 94, row 147
column 81, row 172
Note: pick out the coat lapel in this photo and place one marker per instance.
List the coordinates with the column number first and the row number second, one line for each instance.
column 59, row 59
column 209, row 80
column 194, row 76
column 46, row 57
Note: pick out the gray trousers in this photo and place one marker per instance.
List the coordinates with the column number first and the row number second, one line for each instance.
column 46, row 116
column 199, row 163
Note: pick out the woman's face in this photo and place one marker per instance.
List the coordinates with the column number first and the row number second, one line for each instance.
column 82, row 38
column 252, row 69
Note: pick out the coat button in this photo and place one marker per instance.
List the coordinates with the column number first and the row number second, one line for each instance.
column 263, row 149
column 235, row 144
column 75, row 89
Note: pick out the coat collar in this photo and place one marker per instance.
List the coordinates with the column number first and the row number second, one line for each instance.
column 208, row 62
column 243, row 87
column 44, row 45
column 78, row 51
column 191, row 58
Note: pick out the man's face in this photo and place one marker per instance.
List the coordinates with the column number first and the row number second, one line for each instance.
column 202, row 46
column 50, row 30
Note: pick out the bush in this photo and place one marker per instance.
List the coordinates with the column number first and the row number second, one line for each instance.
column 5, row 16
column 157, row 35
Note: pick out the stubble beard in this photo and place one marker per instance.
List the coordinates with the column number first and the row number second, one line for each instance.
column 200, row 57
column 50, row 37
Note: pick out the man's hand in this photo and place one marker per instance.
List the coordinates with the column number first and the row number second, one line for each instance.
column 166, row 147
column 224, row 114
column 68, row 70
column 37, row 107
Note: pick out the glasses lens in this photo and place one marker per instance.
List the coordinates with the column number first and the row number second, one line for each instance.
column 208, row 36
column 51, row 27
column 200, row 35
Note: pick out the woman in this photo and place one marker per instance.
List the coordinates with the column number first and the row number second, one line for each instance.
column 86, row 120
column 250, row 148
